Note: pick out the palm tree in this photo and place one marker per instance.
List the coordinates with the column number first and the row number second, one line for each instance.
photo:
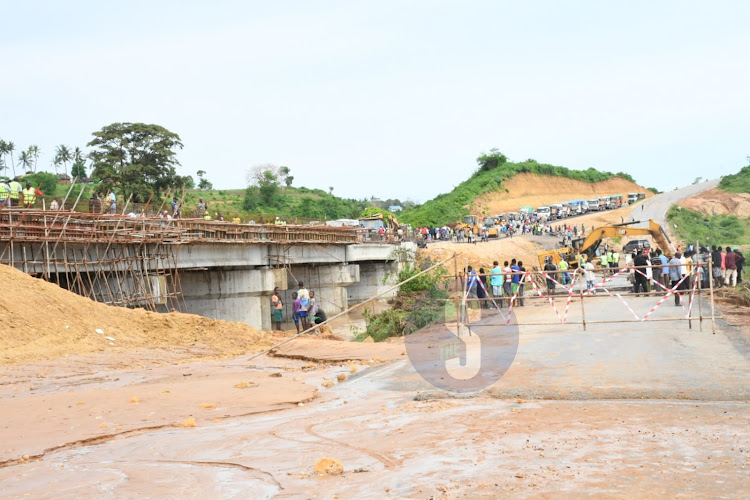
column 63, row 155
column 10, row 147
column 78, row 155
column 3, row 152
column 25, row 161
column 34, row 151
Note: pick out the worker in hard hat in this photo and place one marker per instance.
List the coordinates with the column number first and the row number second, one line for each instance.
column 29, row 195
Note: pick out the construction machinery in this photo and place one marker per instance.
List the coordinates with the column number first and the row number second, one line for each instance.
column 375, row 222
column 472, row 223
column 589, row 246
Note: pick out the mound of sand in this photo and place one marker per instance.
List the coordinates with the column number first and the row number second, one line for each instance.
column 483, row 254
column 535, row 190
column 717, row 202
column 43, row 321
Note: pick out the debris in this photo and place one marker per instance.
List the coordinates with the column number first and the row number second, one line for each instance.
column 275, row 374
column 369, row 339
column 341, row 377
column 98, row 330
column 102, row 426
column 352, row 369
column 111, row 339
column 245, row 385
column 327, row 383
column 188, row 422
column 208, row 406
column 328, row 467
column 134, row 400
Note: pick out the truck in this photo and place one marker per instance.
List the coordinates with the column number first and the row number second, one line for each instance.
column 632, row 198
column 604, row 203
column 556, row 211
column 593, row 204
column 616, row 200
column 543, row 212
column 526, row 212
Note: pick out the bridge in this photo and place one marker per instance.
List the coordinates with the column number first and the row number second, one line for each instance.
column 215, row 269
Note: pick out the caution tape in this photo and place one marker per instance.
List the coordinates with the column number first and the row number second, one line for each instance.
column 669, row 293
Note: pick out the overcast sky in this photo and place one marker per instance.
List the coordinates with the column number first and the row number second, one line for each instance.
column 389, row 98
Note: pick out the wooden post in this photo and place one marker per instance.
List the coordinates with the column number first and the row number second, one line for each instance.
column 711, row 294
column 699, row 276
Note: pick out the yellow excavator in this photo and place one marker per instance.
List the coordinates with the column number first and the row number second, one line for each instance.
column 589, row 246
column 472, row 223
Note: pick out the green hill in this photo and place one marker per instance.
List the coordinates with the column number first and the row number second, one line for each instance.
column 736, row 183
column 493, row 170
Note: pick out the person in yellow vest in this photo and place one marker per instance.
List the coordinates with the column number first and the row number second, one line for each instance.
column 29, row 196
column 614, row 260
column 236, row 219
column 207, row 216
column 4, row 194
column 15, row 192
column 605, row 260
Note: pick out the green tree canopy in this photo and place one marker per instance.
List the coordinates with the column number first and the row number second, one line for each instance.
column 491, row 160
column 137, row 158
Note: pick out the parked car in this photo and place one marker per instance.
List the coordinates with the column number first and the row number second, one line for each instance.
column 632, row 245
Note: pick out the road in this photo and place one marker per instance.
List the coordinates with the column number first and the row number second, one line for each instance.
column 657, row 206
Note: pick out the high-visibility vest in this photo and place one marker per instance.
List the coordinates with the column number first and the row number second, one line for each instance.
column 29, row 196
column 616, row 257
column 15, row 190
column 605, row 259
column 4, row 191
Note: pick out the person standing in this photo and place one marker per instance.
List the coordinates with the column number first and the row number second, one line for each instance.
column 295, row 310
column 565, row 273
column 516, row 279
column 112, row 198
column 716, row 263
column 641, row 282
column 29, row 196
column 588, row 271
column 664, row 269
column 304, row 302
column 550, row 269
column 614, row 262
column 277, row 308
column 496, row 281
column 675, row 276
column 481, row 288
column 4, row 194
column 730, row 262
column 55, row 205
column 739, row 260
column 521, row 281
column 15, row 192
column 507, row 280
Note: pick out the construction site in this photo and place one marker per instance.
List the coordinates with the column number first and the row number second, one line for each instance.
column 139, row 360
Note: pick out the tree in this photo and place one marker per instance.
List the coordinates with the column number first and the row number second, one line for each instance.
column 490, row 161
column 25, row 161
column 78, row 155
column 263, row 190
column 330, row 190
column 34, row 151
column 78, row 170
column 138, row 158
column 288, row 180
column 63, row 155
column 9, row 148
column 204, row 184
column 4, row 151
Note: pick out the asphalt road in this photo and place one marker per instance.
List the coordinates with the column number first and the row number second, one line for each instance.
column 656, row 207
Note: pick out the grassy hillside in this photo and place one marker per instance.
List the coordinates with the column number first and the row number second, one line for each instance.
column 450, row 207
column 691, row 226
column 736, row 183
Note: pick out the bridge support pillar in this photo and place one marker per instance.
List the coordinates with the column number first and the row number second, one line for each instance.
column 234, row 295
column 329, row 282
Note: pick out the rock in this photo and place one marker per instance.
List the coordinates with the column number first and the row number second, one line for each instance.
column 188, row 422
column 327, row 383
column 328, row 467
column 369, row 339
column 341, row 377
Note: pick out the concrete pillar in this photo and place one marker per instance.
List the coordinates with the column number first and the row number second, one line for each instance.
column 371, row 281
column 233, row 295
column 329, row 282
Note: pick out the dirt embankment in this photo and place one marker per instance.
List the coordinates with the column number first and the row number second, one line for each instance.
column 717, row 202
column 535, row 190
column 483, row 254
column 43, row 321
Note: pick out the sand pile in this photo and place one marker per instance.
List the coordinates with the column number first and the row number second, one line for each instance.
column 534, row 190
column 43, row 321
column 483, row 254
column 717, row 202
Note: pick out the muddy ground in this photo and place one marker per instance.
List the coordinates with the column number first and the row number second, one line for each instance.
column 625, row 410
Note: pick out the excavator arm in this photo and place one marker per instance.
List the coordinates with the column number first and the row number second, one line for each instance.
column 591, row 243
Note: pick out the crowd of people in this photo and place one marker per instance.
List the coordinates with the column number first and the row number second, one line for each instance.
column 305, row 309
column 501, row 283
column 508, row 229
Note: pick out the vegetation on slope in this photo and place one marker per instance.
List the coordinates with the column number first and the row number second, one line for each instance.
column 691, row 226
column 737, row 183
column 492, row 171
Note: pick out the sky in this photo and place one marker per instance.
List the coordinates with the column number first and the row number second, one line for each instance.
column 393, row 99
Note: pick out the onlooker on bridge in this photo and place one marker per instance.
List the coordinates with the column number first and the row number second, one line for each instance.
column 15, row 192
column 641, row 282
